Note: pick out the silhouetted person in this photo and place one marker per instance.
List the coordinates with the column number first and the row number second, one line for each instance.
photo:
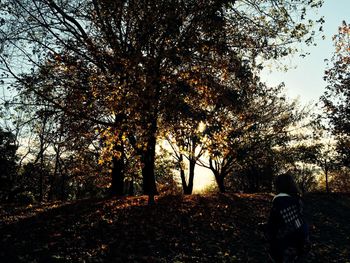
column 286, row 227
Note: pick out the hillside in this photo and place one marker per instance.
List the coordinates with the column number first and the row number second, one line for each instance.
column 198, row 228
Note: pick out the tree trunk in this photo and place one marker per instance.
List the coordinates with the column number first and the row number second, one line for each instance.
column 41, row 184
column 147, row 157
column 326, row 173
column 63, row 187
column 219, row 178
column 183, row 180
column 54, row 178
column 189, row 189
column 50, row 195
column 40, row 158
column 117, row 187
column 219, row 175
column 131, row 190
column 148, row 176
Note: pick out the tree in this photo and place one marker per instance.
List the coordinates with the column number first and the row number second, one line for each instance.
column 227, row 119
column 111, row 54
column 187, row 145
column 8, row 163
column 248, row 143
column 164, row 170
column 327, row 160
column 340, row 180
column 184, row 131
column 336, row 99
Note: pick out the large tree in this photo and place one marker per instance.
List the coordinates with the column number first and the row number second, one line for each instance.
column 119, row 62
column 336, row 99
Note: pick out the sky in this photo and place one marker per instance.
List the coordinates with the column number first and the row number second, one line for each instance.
column 304, row 79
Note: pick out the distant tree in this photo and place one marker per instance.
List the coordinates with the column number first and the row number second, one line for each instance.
column 184, row 132
column 305, row 178
column 327, row 160
column 188, row 148
column 227, row 118
column 340, row 180
column 248, row 145
column 34, row 179
column 164, row 171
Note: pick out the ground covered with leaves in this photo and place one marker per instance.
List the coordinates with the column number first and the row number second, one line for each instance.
column 198, row 228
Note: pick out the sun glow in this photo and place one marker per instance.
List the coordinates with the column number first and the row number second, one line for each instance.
column 203, row 179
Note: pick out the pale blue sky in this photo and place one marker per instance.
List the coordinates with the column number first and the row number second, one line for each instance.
column 306, row 80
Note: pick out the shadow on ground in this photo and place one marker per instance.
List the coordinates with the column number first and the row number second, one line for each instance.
column 212, row 228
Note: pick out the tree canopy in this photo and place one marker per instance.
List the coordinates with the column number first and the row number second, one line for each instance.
column 112, row 71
